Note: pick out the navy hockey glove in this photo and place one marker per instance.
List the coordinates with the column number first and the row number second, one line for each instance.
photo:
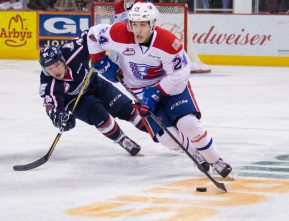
column 63, row 119
column 107, row 68
column 151, row 97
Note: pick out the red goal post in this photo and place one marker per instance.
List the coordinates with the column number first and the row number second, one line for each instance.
column 173, row 17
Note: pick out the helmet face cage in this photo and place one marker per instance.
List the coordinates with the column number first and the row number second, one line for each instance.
column 144, row 12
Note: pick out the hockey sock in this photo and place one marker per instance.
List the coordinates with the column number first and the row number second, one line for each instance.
column 110, row 129
column 201, row 140
column 205, row 145
column 137, row 121
column 167, row 141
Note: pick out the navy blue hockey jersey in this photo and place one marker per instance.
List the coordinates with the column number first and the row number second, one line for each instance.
column 58, row 93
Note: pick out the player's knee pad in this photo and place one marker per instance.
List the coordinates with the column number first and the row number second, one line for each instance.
column 126, row 112
column 97, row 114
column 168, row 142
column 191, row 127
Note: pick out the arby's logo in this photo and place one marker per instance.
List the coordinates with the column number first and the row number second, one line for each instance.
column 16, row 33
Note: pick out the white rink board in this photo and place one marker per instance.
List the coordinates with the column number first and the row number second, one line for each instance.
column 174, row 23
column 248, row 35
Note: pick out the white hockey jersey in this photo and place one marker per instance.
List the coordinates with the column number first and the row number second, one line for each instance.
column 165, row 63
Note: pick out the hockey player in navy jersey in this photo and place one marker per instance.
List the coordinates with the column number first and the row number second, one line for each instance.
column 62, row 76
column 154, row 64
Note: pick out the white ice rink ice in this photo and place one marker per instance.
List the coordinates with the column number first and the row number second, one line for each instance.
column 88, row 177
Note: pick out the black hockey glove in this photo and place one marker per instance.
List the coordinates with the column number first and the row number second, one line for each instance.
column 63, row 119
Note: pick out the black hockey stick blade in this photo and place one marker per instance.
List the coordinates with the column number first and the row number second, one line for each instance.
column 221, row 186
column 217, row 184
column 40, row 161
column 31, row 165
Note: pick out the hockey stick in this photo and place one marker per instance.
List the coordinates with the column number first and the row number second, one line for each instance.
column 45, row 158
column 217, row 184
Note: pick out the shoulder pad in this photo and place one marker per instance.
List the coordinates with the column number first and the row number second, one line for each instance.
column 120, row 34
column 171, row 44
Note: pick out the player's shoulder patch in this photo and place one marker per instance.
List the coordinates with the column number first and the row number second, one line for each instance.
column 120, row 34
column 171, row 45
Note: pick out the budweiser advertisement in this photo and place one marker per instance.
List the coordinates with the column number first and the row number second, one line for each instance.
column 242, row 35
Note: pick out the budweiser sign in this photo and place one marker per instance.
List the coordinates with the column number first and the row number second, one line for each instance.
column 243, row 37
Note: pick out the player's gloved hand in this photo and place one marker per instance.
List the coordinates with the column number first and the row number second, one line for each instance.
column 63, row 119
column 151, row 97
column 107, row 68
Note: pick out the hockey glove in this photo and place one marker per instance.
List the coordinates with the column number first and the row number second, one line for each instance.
column 107, row 68
column 151, row 97
column 63, row 119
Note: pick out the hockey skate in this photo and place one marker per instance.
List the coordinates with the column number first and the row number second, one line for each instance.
column 129, row 145
column 202, row 162
column 222, row 168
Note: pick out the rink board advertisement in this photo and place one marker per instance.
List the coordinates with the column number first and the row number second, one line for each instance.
column 219, row 39
column 18, row 35
column 244, row 36
column 55, row 28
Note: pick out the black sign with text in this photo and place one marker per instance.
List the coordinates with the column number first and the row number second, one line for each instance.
column 50, row 42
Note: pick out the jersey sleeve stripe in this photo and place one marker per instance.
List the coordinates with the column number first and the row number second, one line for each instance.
column 52, row 93
column 74, row 54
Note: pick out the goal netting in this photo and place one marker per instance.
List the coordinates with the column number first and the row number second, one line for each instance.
column 173, row 17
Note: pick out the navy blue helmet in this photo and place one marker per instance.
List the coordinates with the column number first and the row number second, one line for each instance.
column 49, row 56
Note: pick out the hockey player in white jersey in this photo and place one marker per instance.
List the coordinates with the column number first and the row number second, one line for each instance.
column 155, row 66
column 121, row 10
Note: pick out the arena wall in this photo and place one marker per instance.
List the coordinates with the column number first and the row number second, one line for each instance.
column 218, row 38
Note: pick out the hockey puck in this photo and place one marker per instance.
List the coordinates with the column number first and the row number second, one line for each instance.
column 201, row 189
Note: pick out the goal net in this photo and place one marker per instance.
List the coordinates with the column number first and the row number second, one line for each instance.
column 173, row 17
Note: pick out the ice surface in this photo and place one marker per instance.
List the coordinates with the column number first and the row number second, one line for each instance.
column 246, row 110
